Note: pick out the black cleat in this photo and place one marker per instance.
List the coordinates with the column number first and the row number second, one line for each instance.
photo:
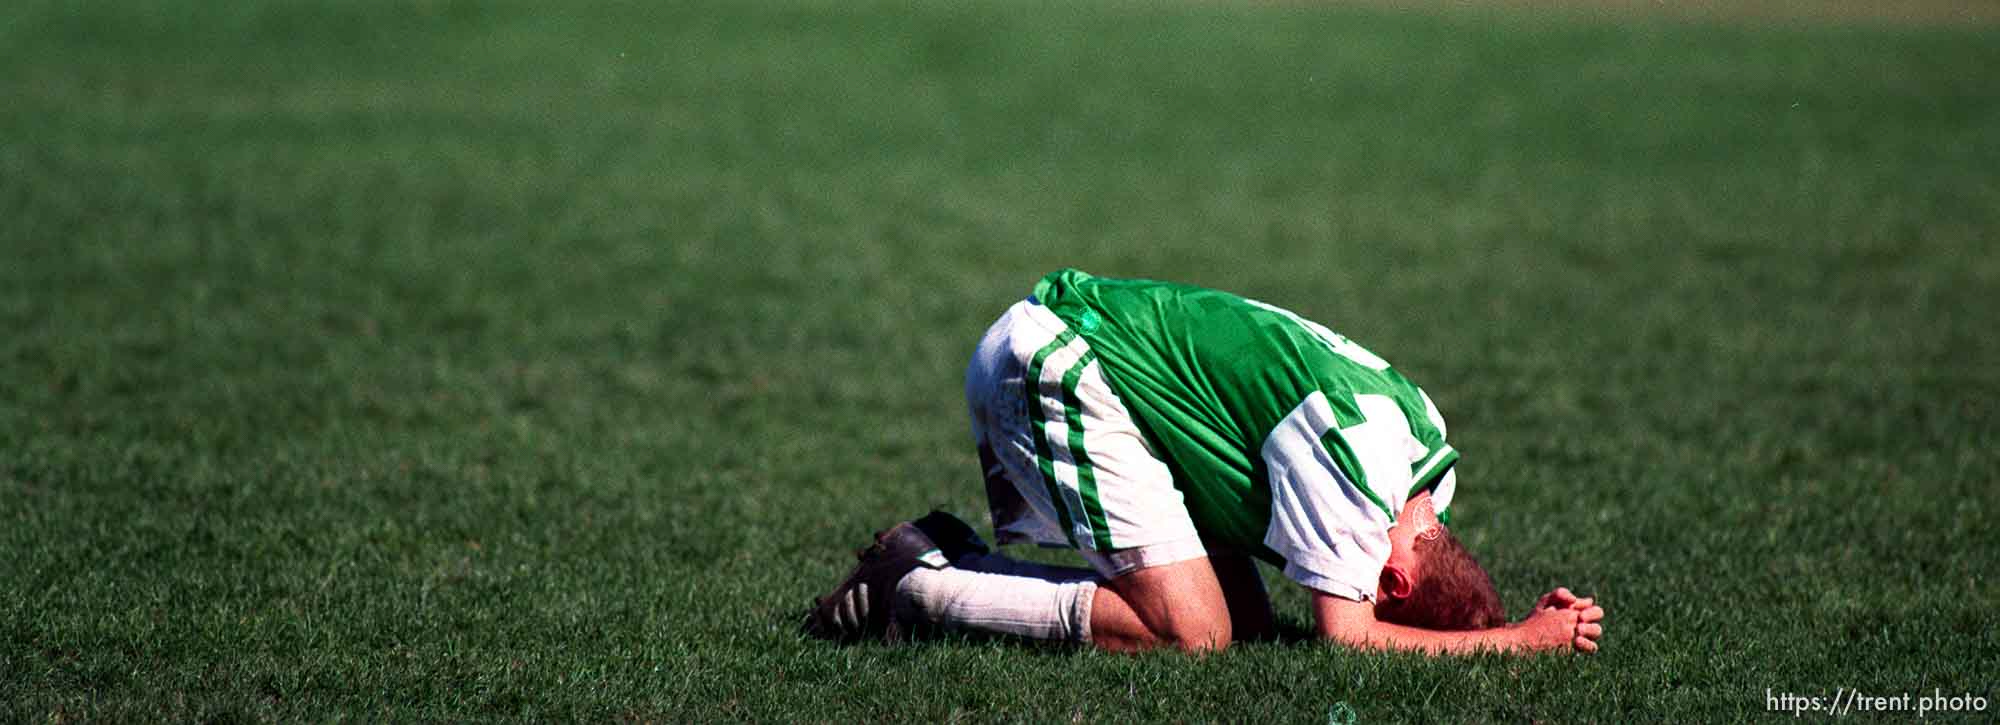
column 953, row 537
column 863, row 605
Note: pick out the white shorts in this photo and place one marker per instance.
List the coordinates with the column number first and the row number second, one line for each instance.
column 1065, row 464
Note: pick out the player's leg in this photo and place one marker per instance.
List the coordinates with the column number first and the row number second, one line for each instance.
column 1009, row 508
column 961, row 599
column 1179, row 604
column 1158, row 596
column 1175, row 605
column 997, row 563
column 1066, row 465
column 904, row 580
column 987, row 592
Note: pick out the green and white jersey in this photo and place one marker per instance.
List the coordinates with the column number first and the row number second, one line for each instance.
column 1286, row 438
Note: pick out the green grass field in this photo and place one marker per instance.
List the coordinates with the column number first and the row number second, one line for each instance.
column 436, row 360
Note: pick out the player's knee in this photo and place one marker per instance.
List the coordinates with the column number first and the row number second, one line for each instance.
column 1197, row 635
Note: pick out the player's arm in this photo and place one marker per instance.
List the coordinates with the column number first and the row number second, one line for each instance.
column 1560, row 621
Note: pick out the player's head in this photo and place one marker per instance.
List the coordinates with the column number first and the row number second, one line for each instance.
column 1431, row 581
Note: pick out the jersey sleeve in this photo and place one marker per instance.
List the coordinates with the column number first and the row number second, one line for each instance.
column 1436, row 467
column 1331, row 530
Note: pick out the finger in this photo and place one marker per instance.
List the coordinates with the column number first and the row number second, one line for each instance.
column 1590, row 615
column 1580, row 604
column 1561, row 597
column 1592, row 631
column 1584, row 644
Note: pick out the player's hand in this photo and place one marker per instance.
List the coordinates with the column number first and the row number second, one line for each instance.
column 1589, row 625
column 1562, row 619
column 1561, row 598
column 1547, row 628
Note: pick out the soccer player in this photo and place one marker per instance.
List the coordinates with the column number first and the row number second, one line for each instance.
column 1172, row 435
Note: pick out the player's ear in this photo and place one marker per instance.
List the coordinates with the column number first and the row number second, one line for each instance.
column 1396, row 583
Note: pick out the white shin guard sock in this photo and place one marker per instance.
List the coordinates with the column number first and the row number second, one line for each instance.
column 998, row 603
